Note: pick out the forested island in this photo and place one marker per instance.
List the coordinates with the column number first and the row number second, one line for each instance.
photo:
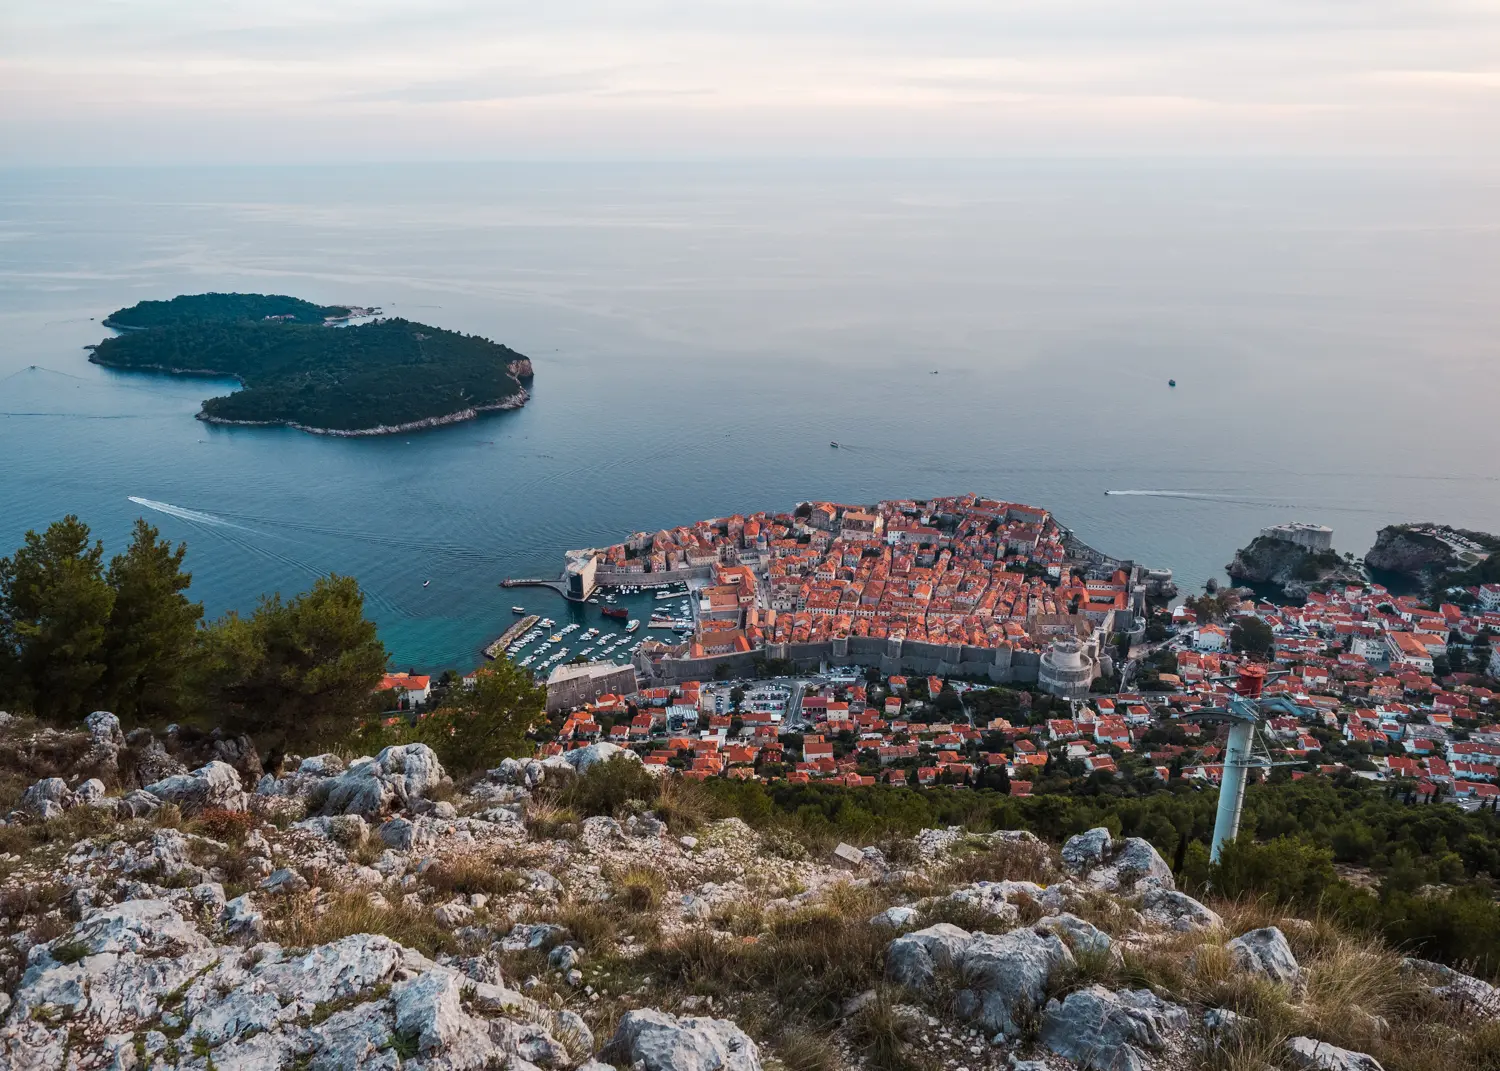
column 299, row 369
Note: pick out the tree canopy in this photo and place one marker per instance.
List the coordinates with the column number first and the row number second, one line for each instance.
column 221, row 308
column 55, row 607
column 296, row 669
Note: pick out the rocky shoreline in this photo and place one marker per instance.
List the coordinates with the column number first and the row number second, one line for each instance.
column 515, row 401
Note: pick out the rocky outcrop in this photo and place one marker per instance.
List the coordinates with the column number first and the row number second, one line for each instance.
column 655, row 1041
column 371, row 787
column 581, row 759
column 1003, row 977
column 521, row 368
column 1110, row 1031
column 1314, row 1055
column 140, row 969
column 1292, row 568
column 1178, row 911
column 1132, row 865
column 1410, row 553
column 1265, row 952
column 215, row 786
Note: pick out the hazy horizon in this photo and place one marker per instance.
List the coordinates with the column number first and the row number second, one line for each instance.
column 164, row 82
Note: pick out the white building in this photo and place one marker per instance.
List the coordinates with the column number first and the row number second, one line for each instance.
column 1211, row 638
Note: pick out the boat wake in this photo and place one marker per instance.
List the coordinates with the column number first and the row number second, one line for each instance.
column 1178, row 494
column 184, row 514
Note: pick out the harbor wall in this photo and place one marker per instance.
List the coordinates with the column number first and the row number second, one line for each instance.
column 605, row 577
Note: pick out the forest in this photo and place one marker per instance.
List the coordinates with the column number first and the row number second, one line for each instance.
column 221, row 308
column 380, row 375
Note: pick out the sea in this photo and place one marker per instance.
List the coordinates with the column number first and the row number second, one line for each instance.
column 703, row 330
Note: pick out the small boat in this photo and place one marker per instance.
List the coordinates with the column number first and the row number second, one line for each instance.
column 634, row 624
column 835, row 445
column 518, row 609
column 1171, row 382
column 426, row 582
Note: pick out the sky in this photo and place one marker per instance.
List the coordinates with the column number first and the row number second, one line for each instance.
column 286, row 81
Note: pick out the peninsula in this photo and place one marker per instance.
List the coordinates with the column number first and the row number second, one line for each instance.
column 299, row 368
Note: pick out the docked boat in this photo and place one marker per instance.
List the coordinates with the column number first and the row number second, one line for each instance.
column 619, row 613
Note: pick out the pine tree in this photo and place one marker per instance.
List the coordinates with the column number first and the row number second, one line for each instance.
column 296, row 669
column 54, row 614
column 151, row 643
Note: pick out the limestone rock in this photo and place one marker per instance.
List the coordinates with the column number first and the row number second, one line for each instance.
column 1086, row 850
column 372, row 786
column 215, row 785
column 48, row 798
column 1455, row 987
column 1108, row 1031
column 137, row 804
column 1266, row 952
column 120, row 962
column 1317, row 1055
column 1136, row 861
column 656, row 1041
column 527, row 773
column 583, row 758
column 152, row 763
column 913, row 959
column 241, row 920
column 1007, row 975
column 1080, row 936
column 105, row 743
column 897, row 918
column 1178, row 911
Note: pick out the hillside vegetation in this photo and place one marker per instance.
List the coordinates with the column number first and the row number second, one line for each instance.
column 380, row 376
column 221, row 308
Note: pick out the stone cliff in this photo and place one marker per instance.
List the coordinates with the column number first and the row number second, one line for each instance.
column 1296, row 570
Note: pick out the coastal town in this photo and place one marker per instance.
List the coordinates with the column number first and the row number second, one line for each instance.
column 970, row 641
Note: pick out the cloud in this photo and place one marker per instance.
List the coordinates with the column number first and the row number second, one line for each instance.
column 774, row 76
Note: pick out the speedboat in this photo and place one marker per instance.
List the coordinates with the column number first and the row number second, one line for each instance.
column 426, row 582
column 518, row 609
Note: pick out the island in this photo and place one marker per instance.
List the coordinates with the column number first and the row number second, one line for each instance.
column 300, row 366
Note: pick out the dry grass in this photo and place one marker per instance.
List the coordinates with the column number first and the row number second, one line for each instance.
column 684, row 805
column 469, row 874
column 304, row 920
column 232, row 827
column 978, row 859
column 965, row 916
column 1354, row 995
column 809, row 960
column 803, row 1048
column 881, row 1036
column 743, row 918
column 81, row 823
column 599, row 927
column 548, row 820
column 640, row 888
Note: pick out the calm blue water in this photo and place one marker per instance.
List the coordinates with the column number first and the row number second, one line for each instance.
column 701, row 332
